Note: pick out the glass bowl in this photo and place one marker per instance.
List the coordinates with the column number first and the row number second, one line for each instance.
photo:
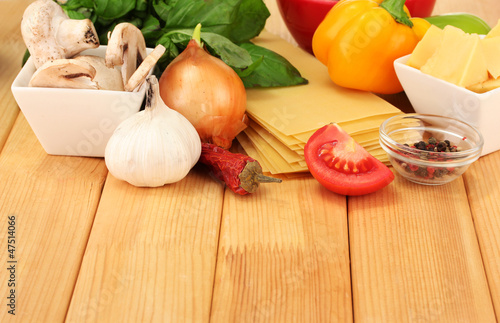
column 430, row 149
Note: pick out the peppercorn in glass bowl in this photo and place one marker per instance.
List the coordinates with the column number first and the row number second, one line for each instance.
column 430, row 149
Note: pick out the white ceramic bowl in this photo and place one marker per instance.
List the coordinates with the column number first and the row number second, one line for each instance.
column 430, row 95
column 73, row 122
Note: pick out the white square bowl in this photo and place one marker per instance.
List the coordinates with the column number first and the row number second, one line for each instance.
column 430, row 95
column 74, row 122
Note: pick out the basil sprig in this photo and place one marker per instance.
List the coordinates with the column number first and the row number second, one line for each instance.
column 228, row 28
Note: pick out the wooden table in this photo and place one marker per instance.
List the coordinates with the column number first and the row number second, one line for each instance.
column 89, row 248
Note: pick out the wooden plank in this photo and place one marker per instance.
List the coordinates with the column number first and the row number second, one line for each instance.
column 11, row 53
column 412, row 264
column 283, row 256
column 151, row 254
column 54, row 200
column 484, row 199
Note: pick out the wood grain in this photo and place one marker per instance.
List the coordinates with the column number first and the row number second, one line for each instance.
column 483, row 190
column 91, row 248
column 413, row 264
column 151, row 255
column 54, row 200
column 283, row 256
column 11, row 53
column 483, row 177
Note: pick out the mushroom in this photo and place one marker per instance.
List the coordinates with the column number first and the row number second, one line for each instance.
column 81, row 72
column 50, row 34
column 105, row 77
column 65, row 73
column 126, row 48
column 143, row 70
column 54, row 41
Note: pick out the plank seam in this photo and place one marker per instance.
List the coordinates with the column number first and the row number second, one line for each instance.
column 217, row 256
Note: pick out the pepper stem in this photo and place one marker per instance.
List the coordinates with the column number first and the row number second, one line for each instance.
column 197, row 34
column 261, row 178
column 252, row 176
column 396, row 9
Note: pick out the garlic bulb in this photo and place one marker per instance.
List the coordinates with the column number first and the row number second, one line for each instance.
column 154, row 147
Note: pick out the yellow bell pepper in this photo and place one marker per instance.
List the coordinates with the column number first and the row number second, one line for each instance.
column 360, row 39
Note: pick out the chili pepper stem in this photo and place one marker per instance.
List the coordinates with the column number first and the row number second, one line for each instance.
column 396, row 9
column 261, row 178
column 252, row 176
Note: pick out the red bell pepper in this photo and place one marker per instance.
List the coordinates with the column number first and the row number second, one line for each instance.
column 302, row 17
column 420, row 8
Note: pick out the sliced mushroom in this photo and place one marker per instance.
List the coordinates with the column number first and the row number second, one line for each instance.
column 143, row 70
column 126, row 48
column 50, row 34
column 106, row 78
column 65, row 73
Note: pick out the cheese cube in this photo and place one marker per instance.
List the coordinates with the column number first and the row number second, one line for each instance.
column 459, row 59
column 495, row 31
column 426, row 47
column 491, row 49
column 485, row 86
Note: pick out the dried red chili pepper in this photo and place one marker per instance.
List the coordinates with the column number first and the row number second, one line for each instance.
column 241, row 173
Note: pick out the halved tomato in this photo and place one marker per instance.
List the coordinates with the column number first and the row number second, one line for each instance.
column 341, row 165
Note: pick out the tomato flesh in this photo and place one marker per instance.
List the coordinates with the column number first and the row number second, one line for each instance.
column 341, row 165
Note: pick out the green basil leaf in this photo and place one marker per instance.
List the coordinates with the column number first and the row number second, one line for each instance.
column 245, row 72
column 26, row 56
column 106, row 22
column 141, row 5
column 76, row 14
column 179, row 14
column 250, row 21
column 274, row 70
column 76, row 4
column 78, row 9
column 171, row 50
column 237, row 20
column 180, row 37
column 113, row 9
column 232, row 54
column 219, row 46
column 151, row 30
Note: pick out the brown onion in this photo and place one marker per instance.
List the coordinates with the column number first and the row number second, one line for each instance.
column 207, row 92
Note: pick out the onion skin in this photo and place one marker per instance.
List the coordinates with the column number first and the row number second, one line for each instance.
column 207, row 92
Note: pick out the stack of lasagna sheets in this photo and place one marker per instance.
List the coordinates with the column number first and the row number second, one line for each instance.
column 283, row 119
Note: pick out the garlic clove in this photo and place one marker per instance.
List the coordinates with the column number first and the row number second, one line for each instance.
column 154, row 147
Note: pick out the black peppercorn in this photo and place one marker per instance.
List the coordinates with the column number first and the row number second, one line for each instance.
column 428, row 152
column 420, row 145
column 441, row 146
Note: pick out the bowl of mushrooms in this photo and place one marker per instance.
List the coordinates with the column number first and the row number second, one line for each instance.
column 73, row 91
